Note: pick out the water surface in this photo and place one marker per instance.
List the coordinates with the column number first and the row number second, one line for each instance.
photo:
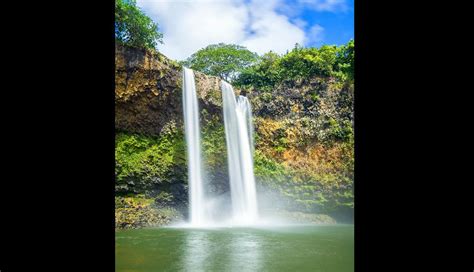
column 291, row 248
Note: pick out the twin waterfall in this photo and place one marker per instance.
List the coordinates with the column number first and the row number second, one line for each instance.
column 239, row 141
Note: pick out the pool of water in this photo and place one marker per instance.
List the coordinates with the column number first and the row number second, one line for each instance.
column 284, row 248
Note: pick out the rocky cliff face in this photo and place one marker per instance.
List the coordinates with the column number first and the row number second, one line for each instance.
column 305, row 144
column 304, row 139
column 148, row 91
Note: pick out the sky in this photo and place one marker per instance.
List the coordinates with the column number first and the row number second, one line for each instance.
column 259, row 25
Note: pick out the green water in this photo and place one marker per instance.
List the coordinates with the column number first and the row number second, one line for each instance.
column 295, row 248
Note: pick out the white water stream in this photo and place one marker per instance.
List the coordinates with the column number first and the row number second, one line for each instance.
column 239, row 140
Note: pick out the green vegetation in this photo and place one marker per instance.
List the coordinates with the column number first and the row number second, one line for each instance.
column 244, row 68
column 223, row 60
column 308, row 189
column 133, row 27
column 213, row 144
column 143, row 161
column 268, row 171
column 262, row 75
column 137, row 211
column 326, row 61
column 345, row 60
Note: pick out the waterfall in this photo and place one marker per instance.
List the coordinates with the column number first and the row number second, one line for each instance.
column 239, row 139
column 193, row 142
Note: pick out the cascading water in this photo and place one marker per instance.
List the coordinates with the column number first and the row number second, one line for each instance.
column 193, row 142
column 239, row 139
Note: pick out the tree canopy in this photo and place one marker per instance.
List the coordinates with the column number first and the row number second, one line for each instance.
column 223, row 60
column 325, row 61
column 345, row 59
column 133, row 27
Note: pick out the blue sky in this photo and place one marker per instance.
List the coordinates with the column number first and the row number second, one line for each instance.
column 338, row 26
column 260, row 25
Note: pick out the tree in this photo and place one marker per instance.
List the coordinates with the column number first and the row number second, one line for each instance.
column 264, row 74
column 345, row 59
column 309, row 62
column 301, row 62
column 226, row 61
column 133, row 27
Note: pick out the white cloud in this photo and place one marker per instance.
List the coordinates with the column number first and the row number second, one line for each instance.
column 271, row 31
column 325, row 5
column 188, row 26
column 315, row 34
column 300, row 23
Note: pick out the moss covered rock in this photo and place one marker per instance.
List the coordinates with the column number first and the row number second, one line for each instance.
column 137, row 212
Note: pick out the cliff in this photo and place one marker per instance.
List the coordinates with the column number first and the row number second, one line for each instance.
column 303, row 129
column 148, row 91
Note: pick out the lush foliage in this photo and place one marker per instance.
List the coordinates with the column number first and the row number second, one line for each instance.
column 137, row 211
column 320, row 181
column 223, row 60
column 133, row 27
column 299, row 63
column 143, row 162
column 213, row 143
column 345, row 60
column 266, row 72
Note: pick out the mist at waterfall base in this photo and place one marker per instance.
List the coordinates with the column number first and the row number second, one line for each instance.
column 239, row 207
